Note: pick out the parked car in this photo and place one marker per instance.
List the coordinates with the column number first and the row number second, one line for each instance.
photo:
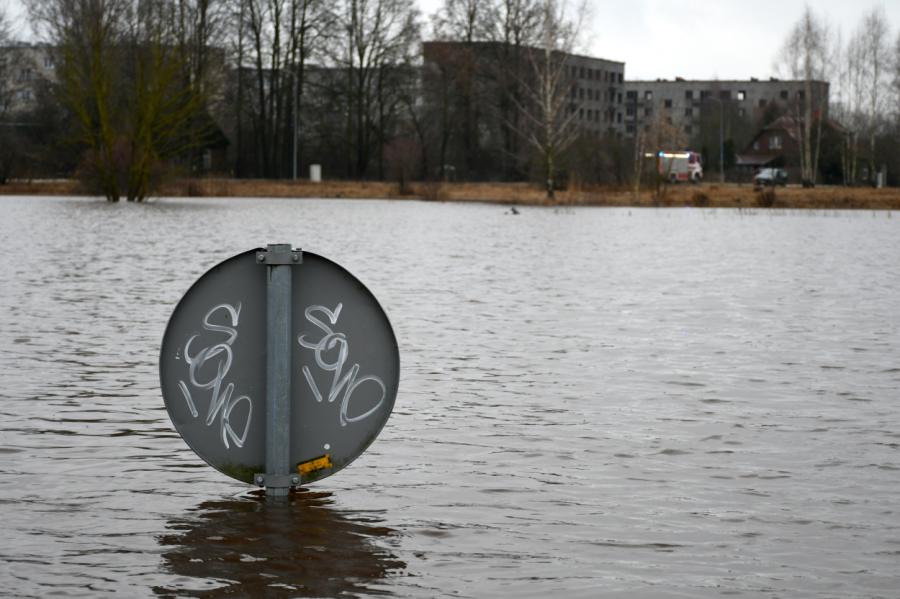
column 771, row 176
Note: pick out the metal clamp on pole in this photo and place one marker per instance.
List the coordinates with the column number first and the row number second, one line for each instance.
column 278, row 259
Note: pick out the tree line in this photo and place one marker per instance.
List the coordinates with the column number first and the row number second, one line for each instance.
column 864, row 71
column 149, row 89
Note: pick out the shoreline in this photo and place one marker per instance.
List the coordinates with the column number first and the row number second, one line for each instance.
column 705, row 195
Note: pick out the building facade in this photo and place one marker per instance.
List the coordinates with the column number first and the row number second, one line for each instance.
column 23, row 69
column 597, row 93
column 681, row 102
column 485, row 102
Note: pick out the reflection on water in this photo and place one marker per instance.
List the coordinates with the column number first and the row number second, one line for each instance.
column 299, row 547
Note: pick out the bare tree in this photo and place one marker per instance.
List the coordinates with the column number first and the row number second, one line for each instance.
column 515, row 24
column 7, row 157
column 873, row 38
column 376, row 50
column 849, row 105
column 896, row 77
column 276, row 39
column 5, row 26
column 86, row 34
column 119, row 69
column 453, row 84
column 548, row 115
column 805, row 56
column 462, row 20
column 5, row 38
column 197, row 26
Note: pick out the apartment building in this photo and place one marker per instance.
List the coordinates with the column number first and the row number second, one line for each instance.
column 597, row 92
column 23, row 69
column 595, row 85
column 679, row 102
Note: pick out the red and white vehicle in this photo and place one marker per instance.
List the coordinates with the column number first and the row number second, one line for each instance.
column 680, row 166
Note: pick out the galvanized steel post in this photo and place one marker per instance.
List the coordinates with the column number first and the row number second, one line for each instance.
column 278, row 259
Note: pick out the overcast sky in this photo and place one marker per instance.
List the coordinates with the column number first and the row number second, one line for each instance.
column 704, row 39
column 698, row 39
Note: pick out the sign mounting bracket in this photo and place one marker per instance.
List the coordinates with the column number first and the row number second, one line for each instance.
column 279, row 254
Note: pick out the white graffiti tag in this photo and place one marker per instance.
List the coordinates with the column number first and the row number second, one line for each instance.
column 222, row 400
column 330, row 343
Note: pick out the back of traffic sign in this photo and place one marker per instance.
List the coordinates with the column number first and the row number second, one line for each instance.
column 216, row 366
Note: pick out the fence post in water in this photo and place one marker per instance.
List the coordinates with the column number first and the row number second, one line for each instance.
column 278, row 259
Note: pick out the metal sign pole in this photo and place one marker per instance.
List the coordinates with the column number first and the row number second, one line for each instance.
column 278, row 259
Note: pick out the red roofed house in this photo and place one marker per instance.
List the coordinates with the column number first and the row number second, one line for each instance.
column 777, row 145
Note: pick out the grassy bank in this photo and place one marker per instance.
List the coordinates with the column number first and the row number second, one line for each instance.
column 706, row 195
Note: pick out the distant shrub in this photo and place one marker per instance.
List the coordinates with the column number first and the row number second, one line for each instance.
column 699, row 200
column 195, row 189
column 765, row 197
column 433, row 191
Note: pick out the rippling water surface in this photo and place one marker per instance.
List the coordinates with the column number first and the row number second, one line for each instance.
column 593, row 402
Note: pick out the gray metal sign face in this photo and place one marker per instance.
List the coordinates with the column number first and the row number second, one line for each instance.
column 345, row 367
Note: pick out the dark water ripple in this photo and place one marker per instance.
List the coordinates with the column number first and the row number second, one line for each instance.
column 593, row 402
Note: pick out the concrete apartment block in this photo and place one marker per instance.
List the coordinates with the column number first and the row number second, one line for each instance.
column 680, row 101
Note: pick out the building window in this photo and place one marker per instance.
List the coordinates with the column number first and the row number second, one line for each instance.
column 668, row 103
column 618, row 117
column 689, row 94
column 629, row 110
column 742, row 112
column 648, row 95
column 648, row 111
column 590, row 114
column 742, row 95
column 632, row 95
column 621, row 78
column 581, row 113
column 775, row 142
column 688, row 112
column 581, row 94
column 629, row 128
column 725, row 94
column 590, row 94
column 704, row 94
column 620, row 98
column 581, row 72
column 762, row 103
column 784, row 94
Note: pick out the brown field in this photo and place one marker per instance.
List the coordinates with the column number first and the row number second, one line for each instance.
column 706, row 195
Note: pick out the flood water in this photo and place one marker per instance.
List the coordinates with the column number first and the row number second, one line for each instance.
column 593, row 403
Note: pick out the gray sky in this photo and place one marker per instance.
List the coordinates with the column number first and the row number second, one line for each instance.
column 704, row 39
column 696, row 39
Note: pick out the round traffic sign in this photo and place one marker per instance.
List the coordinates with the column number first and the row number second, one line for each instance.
column 345, row 367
